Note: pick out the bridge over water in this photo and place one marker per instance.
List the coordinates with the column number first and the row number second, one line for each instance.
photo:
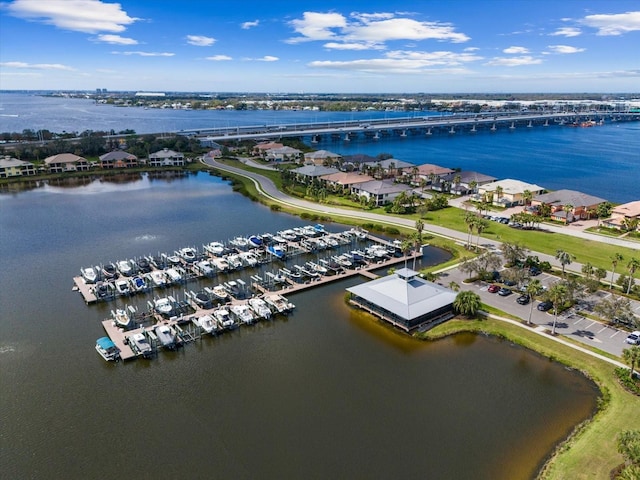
column 376, row 128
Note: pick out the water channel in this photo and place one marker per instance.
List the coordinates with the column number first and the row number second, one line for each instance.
column 325, row 393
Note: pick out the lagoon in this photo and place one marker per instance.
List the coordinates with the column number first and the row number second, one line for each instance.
column 326, row 392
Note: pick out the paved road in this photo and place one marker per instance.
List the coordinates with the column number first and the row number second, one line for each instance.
column 573, row 325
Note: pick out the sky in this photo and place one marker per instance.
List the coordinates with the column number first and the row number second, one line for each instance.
column 327, row 46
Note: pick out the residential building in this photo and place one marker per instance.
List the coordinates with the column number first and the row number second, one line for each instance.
column 66, row 162
column 322, row 157
column 345, row 180
column 166, row 158
column 506, row 193
column 12, row 167
column 405, row 300
column 382, row 191
column 358, row 161
column 309, row 172
column 283, row 154
column 622, row 214
column 261, row 148
column 582, row 206
column 118, row 159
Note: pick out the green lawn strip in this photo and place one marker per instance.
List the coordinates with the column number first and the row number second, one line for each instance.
column 591, row 453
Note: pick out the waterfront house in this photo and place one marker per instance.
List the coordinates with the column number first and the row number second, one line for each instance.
column 429, row 172
column 118, row 159
column 622, row 214
column 261, row 148
column 322, row 157
column 12, row 167
column 66, row 162
column 382, row 191
column 568, row 205
column 507, row 192
column 283, row 154
column 405, row 300
column 345, row 180
column 392, row 167
column 358, row 161
column 166, row 158
column 309, row 172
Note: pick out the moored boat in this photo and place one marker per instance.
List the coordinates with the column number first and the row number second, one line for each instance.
column 89, row 274
column 140, row 345
column 225, row 322
column 122, row 287
column 163, row 306
column 215, row 248
column 277, row 251
column 207, row 324
column 124, row 267
column 278, row 303
column 166, row 336
column 107, row 349
column 123, row 317
column 158, row 278
column 242, row 313
column 109, row 271
column 139, row 284
column 260, row 308
column 188, row 254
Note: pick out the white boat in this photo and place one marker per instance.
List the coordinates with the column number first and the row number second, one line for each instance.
column 188, row 254
column 201, row 299
column 207, row 324
column 248, row 259
column 220, row 263
column 243, row 313
column 233, row 288
column 124, row 267
column 124, row 316
column 158, row 278
column 109, row 271
column 105, row 290
column 255, row 241
column 164, row 306
column 225, row 322
column 122, row 287
column 205, row 268
column 89, row 274
column 215, row 248
column 316, row 267
column 278, row 303
column 260, row 308
column 173, row 275
column 234, row 261
column 240, row 243
column 172, row 260
column 320, row 229
column 139, row 344
column 138, row 284
column 289, row 235
column 166, row 336
column 220, row 293
column 107, row 349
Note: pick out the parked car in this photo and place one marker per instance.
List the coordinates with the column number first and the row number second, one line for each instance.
column 523, row 299
column 534, row 271
column 503, row 292
column 509, row 283
column 633, row 338
column 493, row 288
column 544, row 306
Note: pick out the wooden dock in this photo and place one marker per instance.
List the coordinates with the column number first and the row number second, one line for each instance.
column 85, row 289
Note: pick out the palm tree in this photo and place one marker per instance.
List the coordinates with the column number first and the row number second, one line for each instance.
column 527, row 196
column 454, row 286
column 533, row 290
column 632, row 357
column 558, row 294
column 419, row 229
column 617, row 257
column 467, row 303
column 405, row 247
column 469, row 219
column 632, row 266
column 564, row 258
column 568, row 208
column 473, row 185
column 499, row 192
column 481, row 224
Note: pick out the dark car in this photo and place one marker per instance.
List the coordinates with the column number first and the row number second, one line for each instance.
column 544, row 306
column 503, row 292
column 493, row 288
column 509, row 283
column 523, row 299
column 535, row 271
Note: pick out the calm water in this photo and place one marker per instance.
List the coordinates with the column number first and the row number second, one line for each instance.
column 326, row 393
column 602, row 161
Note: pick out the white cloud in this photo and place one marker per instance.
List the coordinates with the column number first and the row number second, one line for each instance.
column 219, row 58
column 516, row 50
column 146, row 54
column 352, row 46
column 266, row 58
column 614, row 24
column 89, row 16
column 200, row 40
column 248, row 25
column 372, row 29
column 567, row 32
column 116, row 39
column 513, row 61
column 564, row 49
column 37, row 66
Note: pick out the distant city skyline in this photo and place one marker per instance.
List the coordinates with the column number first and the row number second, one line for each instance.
column 461, row 46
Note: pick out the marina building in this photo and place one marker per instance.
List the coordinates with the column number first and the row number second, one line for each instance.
column 405, row 300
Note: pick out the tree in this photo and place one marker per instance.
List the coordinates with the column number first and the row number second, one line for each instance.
column 603, row 210
column 614, row 263
column 533, row 290
column 630, row 223
column 631, row 356
column 615, row 309
column 564, row 258
column 405, row 247
column 568, row 208
column 454, row 286
column 629, row 446
column 499, row 192
column 527, row 196
column 514, row 252
column 419, row 229
column 470, row 219
column 632, row 266
column 557, row 295
column 467, row 303
column 473, row 185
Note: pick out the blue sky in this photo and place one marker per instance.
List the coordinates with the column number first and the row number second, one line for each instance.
column 433, row 46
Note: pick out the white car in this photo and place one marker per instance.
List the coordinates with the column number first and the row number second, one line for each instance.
column 633, row 338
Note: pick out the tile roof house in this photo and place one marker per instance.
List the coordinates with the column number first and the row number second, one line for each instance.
column 466, row 178
column 321, row 157
column 261, row 148
column 282, row 154
column 308, row 172
column 358, row 160
column 507, row 193
column 66, row 162
column 166, row 158
column 405, row 300
column 118, row 159
column 382, row 191
column 622, row 213
column 12, row 167
column 345, row 179
column 583, row 206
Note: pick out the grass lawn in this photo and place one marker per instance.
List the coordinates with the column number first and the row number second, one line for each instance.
column 591, row 453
